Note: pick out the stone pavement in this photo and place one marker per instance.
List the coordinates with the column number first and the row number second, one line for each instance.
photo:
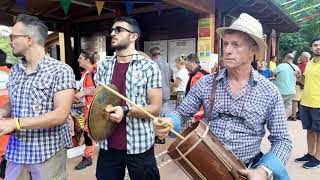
column 170, row 171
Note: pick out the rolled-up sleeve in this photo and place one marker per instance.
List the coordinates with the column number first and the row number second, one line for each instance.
column 154, row 77
column 65, row 79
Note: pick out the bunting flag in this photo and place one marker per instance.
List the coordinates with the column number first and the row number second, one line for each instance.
column 129, row 7
column 22, row 4
column 65, row 4
column 158, row 7
column 292, row 6
column 99, row 5
column 310, row 7
column 309, row 17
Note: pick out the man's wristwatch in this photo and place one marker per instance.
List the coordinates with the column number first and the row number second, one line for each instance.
column 269, row 172
column 125, row 109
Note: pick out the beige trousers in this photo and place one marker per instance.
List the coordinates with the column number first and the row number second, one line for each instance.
column 52, row 169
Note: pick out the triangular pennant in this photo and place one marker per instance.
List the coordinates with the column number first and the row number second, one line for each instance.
column 99, row 5
column 129, row 7
column 65, row 4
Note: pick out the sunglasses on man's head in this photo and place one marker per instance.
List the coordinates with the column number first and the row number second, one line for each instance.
column 119, row 29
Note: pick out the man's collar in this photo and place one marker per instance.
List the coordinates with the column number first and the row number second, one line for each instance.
column 135, row 56
column 314, row 58
column 253, row 80
column 23, row 64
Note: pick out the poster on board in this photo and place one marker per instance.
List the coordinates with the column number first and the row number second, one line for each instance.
column 205, row 38
column 209, row 65
column 162, row 45
column 179, row 47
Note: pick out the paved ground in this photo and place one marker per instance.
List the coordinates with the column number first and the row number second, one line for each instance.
column 169, row 171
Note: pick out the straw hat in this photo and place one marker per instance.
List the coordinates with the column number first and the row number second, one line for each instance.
column 249, row 25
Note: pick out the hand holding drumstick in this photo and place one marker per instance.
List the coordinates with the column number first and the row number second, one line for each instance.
column 163, row 122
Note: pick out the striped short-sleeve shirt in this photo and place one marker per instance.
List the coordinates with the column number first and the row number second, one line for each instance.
column 142, row 74
column 33, row 95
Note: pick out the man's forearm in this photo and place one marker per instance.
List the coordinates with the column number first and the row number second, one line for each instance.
column 48, row 120
column 5, row 111
column 152, row 109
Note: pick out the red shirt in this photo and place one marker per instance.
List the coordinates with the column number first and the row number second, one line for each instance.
column 88, row 82
column 302, row 66
column 118, row 139
column 4, row 92
column 4, row 98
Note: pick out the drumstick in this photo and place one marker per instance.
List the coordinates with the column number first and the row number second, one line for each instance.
column 138, row 107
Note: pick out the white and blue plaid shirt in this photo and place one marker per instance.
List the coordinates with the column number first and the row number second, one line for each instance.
column 240, row 121
column 142, row 74
column 30, row 96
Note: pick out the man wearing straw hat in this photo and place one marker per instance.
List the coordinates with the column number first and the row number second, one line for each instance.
column 245, row 102
column 139, row 78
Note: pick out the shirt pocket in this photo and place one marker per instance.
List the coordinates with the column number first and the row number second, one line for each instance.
column 253, row 117
column 42, row 89
column 139, row 86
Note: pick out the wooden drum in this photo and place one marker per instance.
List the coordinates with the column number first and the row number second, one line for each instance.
column 202, row 155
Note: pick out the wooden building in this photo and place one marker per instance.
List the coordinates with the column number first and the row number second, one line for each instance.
column 83, row 28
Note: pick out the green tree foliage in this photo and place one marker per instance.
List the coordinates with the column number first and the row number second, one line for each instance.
column 5, row 45
column 290, row 42
column 308, row 21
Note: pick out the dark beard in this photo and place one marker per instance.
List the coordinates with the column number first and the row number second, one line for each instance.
column 124, row 44
column 316, row 54
column 120, row 47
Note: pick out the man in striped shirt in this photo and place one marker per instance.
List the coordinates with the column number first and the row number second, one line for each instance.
column 138, row 78
column 41, row 90
column 245, row 102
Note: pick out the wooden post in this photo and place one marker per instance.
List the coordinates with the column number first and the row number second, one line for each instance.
column 217, row 39
column 76, row 51
column 269, row 51
column 67, row 44
column 62, row 47
column 277, row 46
column 206, row 37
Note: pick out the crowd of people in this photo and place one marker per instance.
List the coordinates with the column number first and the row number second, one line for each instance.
column 236, row 102
column 299, row 86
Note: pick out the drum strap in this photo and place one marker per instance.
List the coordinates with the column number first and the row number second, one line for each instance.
column 213, row 91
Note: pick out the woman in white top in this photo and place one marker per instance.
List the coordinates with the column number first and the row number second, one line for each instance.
column 182, row 77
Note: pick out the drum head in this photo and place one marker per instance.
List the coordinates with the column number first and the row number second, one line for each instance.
column 99, row 125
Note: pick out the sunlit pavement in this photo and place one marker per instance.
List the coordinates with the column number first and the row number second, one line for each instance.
column 170, row 171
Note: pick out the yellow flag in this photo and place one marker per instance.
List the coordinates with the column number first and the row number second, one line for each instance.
column 14, row 19
column 99, row 5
